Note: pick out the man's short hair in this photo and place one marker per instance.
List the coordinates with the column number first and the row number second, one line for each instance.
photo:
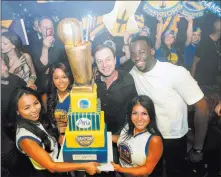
column 217, row 20
column 142, row 38
column 110, row 43
column 45, row 18
column 103, row 46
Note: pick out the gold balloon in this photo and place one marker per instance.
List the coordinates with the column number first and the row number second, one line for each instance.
column 68, row 31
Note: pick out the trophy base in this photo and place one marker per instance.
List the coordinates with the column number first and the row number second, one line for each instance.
column 83, row 88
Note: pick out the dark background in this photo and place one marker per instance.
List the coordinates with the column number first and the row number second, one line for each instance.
column 77, row 9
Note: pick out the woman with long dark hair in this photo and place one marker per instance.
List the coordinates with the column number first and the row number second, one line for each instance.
column 58, row 96
column 18, row 62
column 140, row 142
column 33, row 140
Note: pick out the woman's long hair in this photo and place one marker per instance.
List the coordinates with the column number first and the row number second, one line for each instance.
column 52, row 96
column 22, row 122
column 16, row 41
column 147, row 103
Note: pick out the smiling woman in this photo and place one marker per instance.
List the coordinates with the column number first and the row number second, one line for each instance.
column 29, row 107
column 140, row 144
column 58, row 96
column 33, row 140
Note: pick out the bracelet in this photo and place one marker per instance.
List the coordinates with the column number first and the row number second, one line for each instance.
column 126, row 44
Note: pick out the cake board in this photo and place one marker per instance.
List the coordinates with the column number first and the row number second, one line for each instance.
column 104, row 166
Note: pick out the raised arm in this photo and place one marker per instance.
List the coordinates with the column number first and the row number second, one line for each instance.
column 126, row 48
column 189, row 31
column 47, row 43
column 33, row 77
column 38, row 154
column 159, row 33
column 30, row 64
column 40, row 56
column 17, row 63
column 155, row 150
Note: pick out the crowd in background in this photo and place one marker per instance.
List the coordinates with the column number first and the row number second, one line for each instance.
column 166, row 80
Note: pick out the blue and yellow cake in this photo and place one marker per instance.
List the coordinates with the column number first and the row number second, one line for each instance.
column 86, row 134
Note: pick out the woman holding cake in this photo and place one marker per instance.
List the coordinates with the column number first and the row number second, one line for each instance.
column 33, row 140
column 58, row 97
column 140, row 143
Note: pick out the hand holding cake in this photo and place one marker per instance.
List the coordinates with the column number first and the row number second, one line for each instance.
column 91, row 168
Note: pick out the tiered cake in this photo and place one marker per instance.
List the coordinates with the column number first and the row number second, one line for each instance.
column 86, row 135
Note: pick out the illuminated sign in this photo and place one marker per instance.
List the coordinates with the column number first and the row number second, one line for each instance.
column 184, row 8
column 194, row 9
column 162, row 8
column 213, row 7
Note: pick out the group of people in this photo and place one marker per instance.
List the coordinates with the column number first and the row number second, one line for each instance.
column 146, row 109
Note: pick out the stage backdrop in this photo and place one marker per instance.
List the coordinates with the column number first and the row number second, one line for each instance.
column 114, row 16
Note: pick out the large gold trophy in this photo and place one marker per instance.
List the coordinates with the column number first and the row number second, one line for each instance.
column 78, row 52
column 86, row 135
column 79, row 57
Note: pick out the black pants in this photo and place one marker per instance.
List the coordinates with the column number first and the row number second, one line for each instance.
column 46, row 173
column 174, row 154
column 16, row 164
column 212, row 150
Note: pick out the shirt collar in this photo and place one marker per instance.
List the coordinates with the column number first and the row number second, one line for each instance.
column 119, row 77
column 139, row 133
column 39, row 36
